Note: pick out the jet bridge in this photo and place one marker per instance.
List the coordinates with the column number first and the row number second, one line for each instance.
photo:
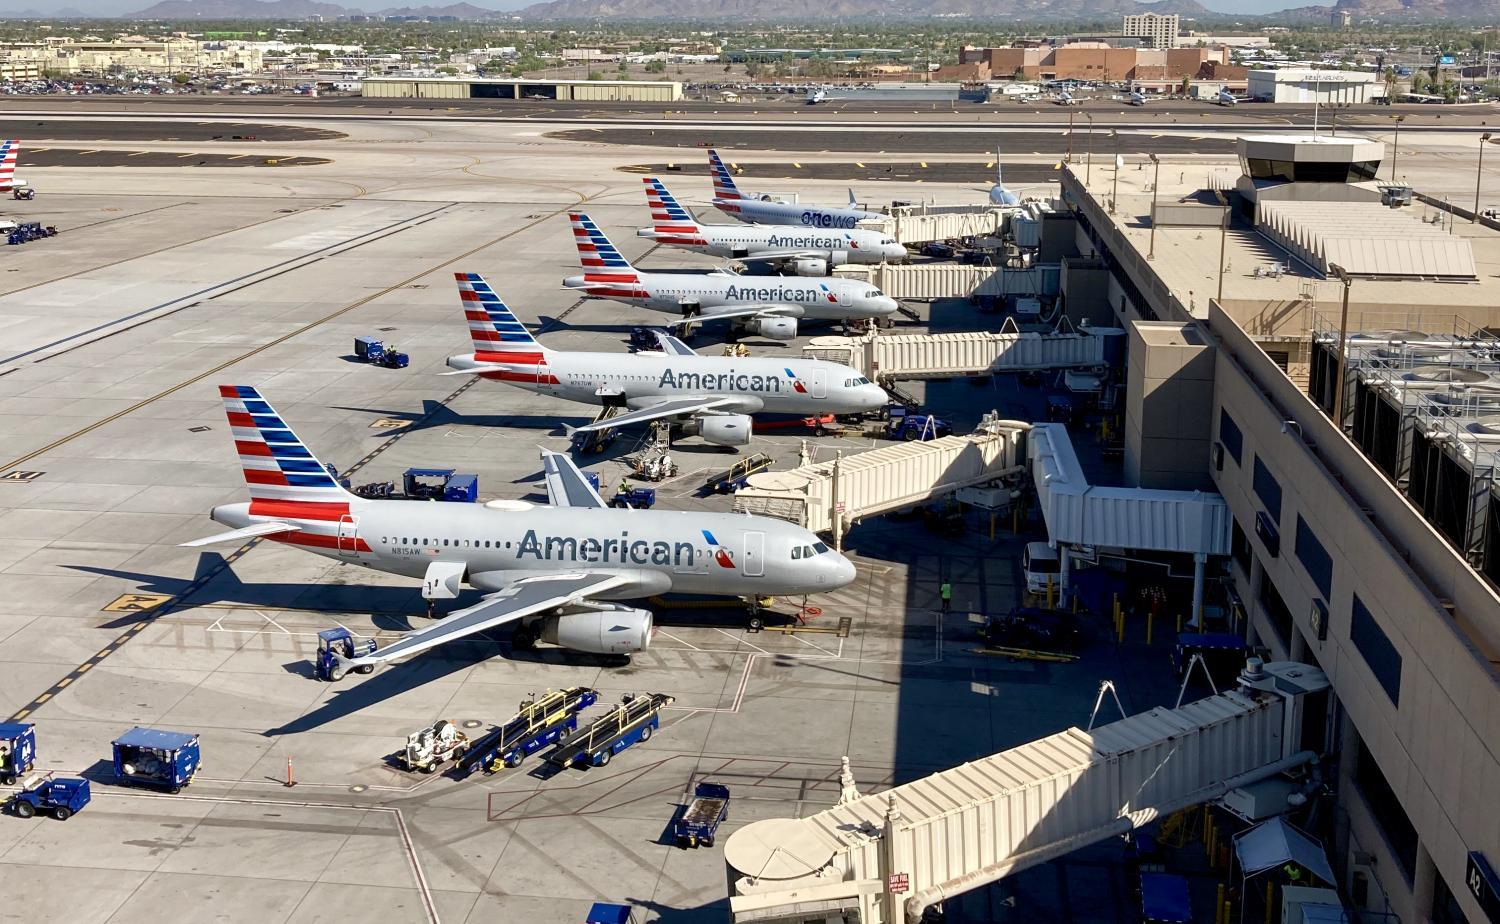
column 830, row 496
column 886, row 858
column 884, row 358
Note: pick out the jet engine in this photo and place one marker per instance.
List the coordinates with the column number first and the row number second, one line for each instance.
column 819, row 266
column 604, row 628
column 721, row 429
column 782, row 329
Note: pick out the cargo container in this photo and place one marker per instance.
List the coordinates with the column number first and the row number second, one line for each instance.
column 150, row 757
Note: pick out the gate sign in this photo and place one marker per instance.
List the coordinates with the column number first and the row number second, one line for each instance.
column 1483, row 884
column 898, row 883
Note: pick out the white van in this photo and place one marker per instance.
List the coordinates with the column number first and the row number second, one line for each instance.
column 1040, row 563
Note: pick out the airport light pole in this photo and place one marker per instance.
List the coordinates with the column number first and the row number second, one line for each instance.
column 1088, row 151
column 1114, row 194
column 1068, row 159
column 1155, row 183
column 1223, row 241
column 1338, row 385
column 1484, row 139
column 1396, row 146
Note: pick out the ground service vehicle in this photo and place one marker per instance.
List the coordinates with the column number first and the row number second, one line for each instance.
column 1041, row 566
column 633, row 721
column 161, row 759
column 62, row 797
column 540, row 722
column 699, row 820
column 1032, row 627
column 334, row 644
column 427, row 748
column 903, row 425
column 372, row 351
column 17, row 751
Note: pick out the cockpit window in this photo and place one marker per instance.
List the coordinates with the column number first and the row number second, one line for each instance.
column 820, row 547
column 796, row 552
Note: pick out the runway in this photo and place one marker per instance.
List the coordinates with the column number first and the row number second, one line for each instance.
column 930, row 142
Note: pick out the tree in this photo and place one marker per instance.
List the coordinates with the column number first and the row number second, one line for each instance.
column 448, row 69
column 1185, row 86
column 180, row 79
column 656, row 67
column 595, row 75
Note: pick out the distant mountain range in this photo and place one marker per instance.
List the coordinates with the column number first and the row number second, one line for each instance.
column 772, row 11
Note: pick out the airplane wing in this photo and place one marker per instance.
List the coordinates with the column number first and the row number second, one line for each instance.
column 521, row 599
column 672, row 346
column 566, row 486
column 672, row 407
column 771, row 256
column 749, row 311
column 240, row 535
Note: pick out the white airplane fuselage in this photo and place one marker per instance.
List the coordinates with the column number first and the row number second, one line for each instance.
column 739, row 242
column 757, row 384
column 769, row 212
column 825, row 299
column 502, row 541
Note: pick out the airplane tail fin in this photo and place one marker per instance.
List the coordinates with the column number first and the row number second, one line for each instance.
column 497, row 334
column 853, row 203
column 595, row 251
column 10, row 151
column 669, row 218
column 724, row 187
column 285, row 479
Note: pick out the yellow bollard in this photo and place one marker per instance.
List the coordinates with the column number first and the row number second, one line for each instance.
column 992, row 527
column 1075, row 603
column 1179, row 623
column 1270, row 896
column 1209, row 843
column 1015, row 520
column 1150, row 623
column 1117, row 607
column 1219, row 904
column 1228, row 911
column 1049, row 592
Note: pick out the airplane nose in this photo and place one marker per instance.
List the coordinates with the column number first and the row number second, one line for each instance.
column 843, row 572
column 885, row 305
column 875, row 397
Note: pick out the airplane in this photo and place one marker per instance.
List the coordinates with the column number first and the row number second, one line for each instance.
column 765, row 305
column 807, row 251
column 1137, row 98
column 551, row 570
column 752, row 207
column 9, row 182
column 1064, row 98
column 1225, row 98
column 999, row 195
column 818, row 95
column 715, row 395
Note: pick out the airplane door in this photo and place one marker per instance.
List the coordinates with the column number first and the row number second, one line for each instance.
column 820, row 383
column 755, row 553
column 348, row 541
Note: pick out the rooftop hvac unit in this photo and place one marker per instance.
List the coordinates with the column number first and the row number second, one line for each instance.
column 1442, row 377
column 1473, row 401
column 1484, row 429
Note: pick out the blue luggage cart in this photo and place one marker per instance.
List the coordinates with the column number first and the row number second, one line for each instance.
column 17, row 751
column 540, row 722
column 160, row 759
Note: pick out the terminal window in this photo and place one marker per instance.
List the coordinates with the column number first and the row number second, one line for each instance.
column 1314, row 558
column 1268, row 489
column 1375, row 646
column 1230, row 436
column 1395, row 824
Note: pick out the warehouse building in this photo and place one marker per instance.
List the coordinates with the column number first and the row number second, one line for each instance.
column 1364, row 494
column 453, row 88
column 1300, row 85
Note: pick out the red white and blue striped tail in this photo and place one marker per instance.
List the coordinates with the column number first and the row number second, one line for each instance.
column 597, row 254
column 10, row 151
column 285, row 479
column 493, row 327
column 673, row 223
column 724, row 187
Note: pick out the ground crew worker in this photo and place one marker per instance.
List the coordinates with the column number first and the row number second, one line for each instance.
column 623, row 489
column 1293, row 873
column 946, row 592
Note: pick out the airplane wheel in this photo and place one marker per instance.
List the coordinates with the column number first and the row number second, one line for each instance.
column 523, row 639
column 366, row 668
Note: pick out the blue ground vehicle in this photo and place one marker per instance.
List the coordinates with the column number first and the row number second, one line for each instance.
column 161, row 759
column 643, row 339
column 17, row 750
column 62, row 798
column 908, row 427
column 372, row 351
column 540, row 722
column 334, row 644
column 450, row 486
column 606, row 913
column 639, row 498
column 733, row 478
column 634, row 720
column 699, row 821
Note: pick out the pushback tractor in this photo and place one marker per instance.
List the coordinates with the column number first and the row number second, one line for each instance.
column 540, row 722
column 61, row 797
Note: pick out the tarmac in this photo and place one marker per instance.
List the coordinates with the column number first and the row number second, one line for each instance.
column 167, row 282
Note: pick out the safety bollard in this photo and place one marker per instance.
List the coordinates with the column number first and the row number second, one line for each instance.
column 1050, row 598
column 289, row 781
column 1228, row 911
column 1270, row 896
column 1150, row 624
column 1179, row 623
column 1219, row 906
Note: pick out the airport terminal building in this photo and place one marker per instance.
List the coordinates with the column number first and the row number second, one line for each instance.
column 455, row 88
column 1366, row 533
